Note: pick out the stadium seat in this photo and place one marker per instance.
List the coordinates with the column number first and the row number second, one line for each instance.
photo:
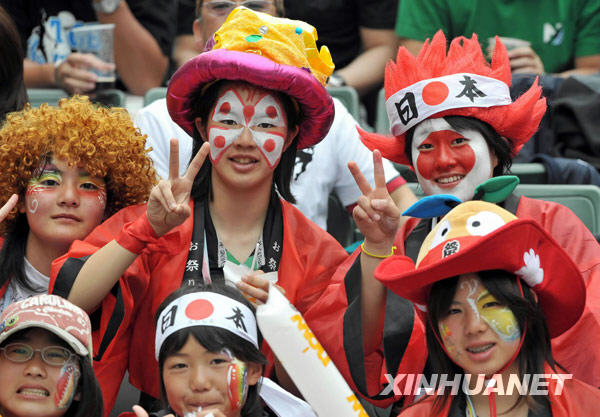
column 349, row 97
column 154, row 94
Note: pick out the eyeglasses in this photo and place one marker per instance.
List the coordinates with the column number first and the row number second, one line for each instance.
column 224, row 7
column 21, row 352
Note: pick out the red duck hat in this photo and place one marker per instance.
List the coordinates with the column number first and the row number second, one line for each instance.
column 478, row 236
column 457, row 83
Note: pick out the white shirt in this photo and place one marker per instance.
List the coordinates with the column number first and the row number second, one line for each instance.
column 319, row 171
column 15, row 292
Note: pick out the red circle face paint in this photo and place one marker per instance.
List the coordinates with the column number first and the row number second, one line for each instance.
column 225, row 108
column 219, row 141
column 271, row 112
column 444, row 151
column 269, row 145
column 435, row 93
column 199, row 309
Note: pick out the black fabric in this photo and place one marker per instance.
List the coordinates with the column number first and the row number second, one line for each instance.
column 352, row 331
column 66, row 276
column 157, row 16
column 575, row 118
column 338, row 22
column 116, row 318
column 272, row 241
column 568, row 171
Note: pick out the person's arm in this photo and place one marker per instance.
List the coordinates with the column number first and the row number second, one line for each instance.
column 584, row 65
column 367, row 69
column 413, row 45
column 140, row 62
column 184, row 50
column 377, row 217
column 167, row 208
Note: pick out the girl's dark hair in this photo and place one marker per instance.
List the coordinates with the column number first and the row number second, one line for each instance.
column 90, row 403
column 501, row 147
column 201, row 102
column 503, row 285
column 13, row 94
column 214, row 339
column 12, row 254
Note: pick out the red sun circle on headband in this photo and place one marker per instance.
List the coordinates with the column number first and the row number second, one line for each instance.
column 435, row 93
column 199, row 309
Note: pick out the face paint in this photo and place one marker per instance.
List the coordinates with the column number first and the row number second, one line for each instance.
column 261, row 113
column 447, row 161
column 66, row 385
column 237, row 388
column 472, row 285
column 500, row 318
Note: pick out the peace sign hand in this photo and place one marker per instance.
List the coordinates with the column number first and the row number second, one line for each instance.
column 375, row 214
column 8, row 206
column 168, row 202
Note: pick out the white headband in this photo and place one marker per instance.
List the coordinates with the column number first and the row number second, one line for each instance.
column 415, row 103
column 205, row 309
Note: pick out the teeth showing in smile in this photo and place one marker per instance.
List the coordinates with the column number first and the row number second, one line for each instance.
column 243, row 160
column 449, row 179
column 480, row 349
column 32, row 391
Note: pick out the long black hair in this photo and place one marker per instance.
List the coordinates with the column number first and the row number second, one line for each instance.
column 502, row 148
column 13, row 94
column 503, row 285
column 201, row 103
column 12, row 254
column 214, row 339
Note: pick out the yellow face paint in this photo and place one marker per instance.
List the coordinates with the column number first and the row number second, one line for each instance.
column 498, row 317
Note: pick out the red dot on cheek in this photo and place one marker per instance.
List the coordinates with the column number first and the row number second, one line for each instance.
column 219, row 141
column 225, row 108
column 199, row 309
column 269, row 145
column 271, row 112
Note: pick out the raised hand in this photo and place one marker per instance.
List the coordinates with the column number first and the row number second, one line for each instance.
column 375, row 214
column 74, row 75
column 8, row 206
column 168, row 202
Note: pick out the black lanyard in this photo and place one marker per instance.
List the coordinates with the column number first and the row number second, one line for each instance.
column 206, row 242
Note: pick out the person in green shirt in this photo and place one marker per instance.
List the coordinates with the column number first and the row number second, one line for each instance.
column 563, row 35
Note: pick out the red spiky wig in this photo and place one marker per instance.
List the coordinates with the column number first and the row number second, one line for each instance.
column 517, row 121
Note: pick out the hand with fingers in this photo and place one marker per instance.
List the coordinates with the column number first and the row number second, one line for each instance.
column 375, row 214
column 74, row 74
column 524, row 60
column 254, row 287
column 168, row 202
column 8, row 206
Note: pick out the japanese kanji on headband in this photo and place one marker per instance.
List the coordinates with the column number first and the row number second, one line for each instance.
column 206, row 309
column 417, row 102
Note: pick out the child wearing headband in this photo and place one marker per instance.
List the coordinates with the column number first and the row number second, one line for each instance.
column 207, row 348
column 46, row 360
column 492, row 290
column 69, row 167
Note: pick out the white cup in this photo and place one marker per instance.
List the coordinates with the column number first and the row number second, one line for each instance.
column 97, row 39
column 510, row 43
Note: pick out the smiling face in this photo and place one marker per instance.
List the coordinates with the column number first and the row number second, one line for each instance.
column 248, row 131
column 479, row 334
column 194, row 377
column 452, row 162
column 63, row 204
column 34, row 388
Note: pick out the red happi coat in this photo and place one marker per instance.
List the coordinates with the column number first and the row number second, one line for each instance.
column 309, row 258
column 576, row 399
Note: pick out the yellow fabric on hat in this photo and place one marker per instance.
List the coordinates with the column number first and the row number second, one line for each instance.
column 285, row 41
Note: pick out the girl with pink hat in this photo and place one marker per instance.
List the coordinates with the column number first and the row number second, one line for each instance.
column 46, row 360
column 249, row 102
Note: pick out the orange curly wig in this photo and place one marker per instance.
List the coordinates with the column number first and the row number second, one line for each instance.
column 103, row 141
column 517, row 121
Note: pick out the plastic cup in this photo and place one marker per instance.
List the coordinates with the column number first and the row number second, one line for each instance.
column 510, row 43
column 97, row 39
